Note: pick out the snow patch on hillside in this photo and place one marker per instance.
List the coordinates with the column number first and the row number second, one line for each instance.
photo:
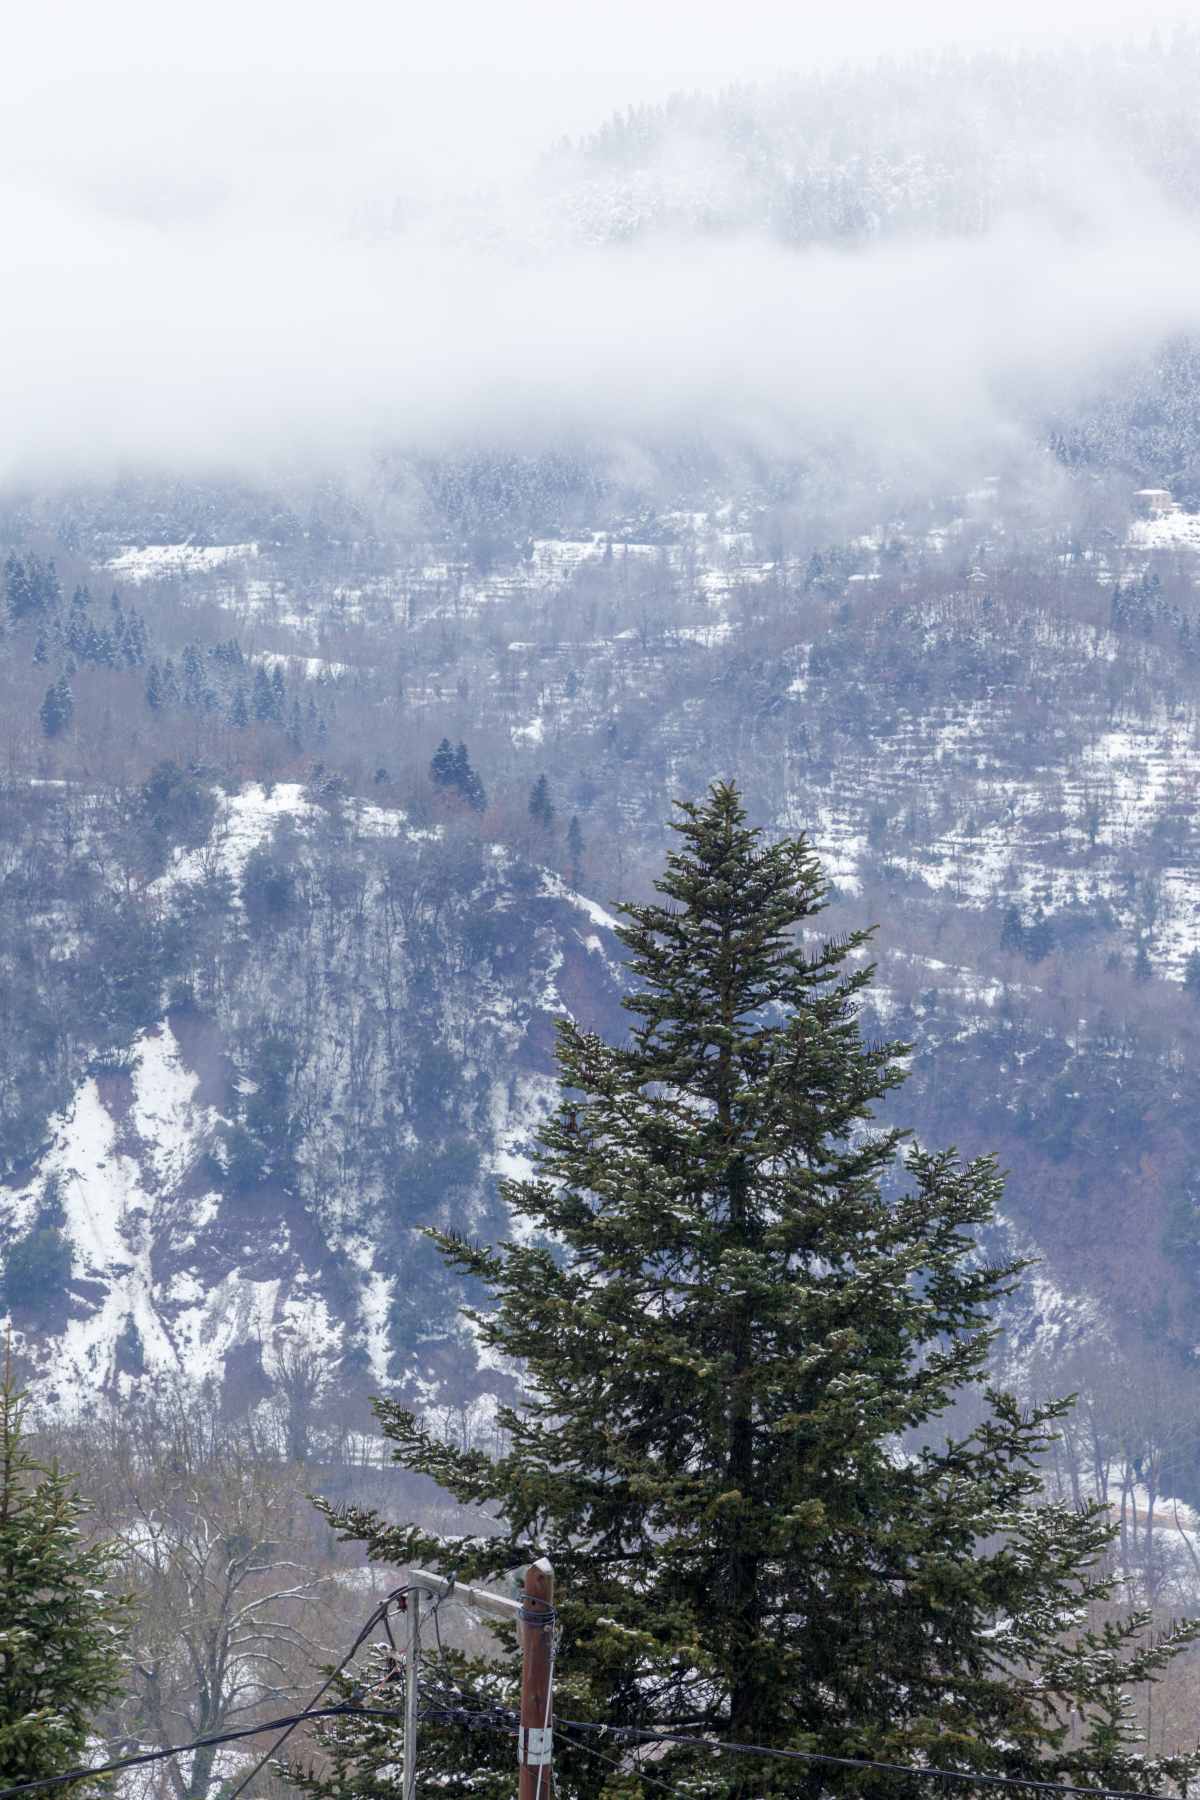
column 123, row 1153
column 555, row 888
column 1173, row 531
column 109, row 1183
column 155, row 562
column 518, row 1111
column 1043, row 1324
column 312, row 668
column 165, row 1112
column 245, row 821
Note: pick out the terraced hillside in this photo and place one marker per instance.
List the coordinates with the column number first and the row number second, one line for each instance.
column 283, row 995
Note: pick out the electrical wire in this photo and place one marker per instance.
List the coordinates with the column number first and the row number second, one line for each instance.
column 504, row 1719
column 344, row 1711
column 381, row 1612
column 973, row 1777
column 615, row 1762
column 663, row 1735
column 289, row 1721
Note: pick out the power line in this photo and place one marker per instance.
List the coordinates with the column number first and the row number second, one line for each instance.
column 498, row 1718
column 381, row 1612
column 615, row 1762
column 345, row 1710
column 289, row 1722
column 926, row 1771
column 663, row 1735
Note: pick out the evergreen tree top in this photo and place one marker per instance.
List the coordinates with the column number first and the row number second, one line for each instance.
column 734, row 1300
column 61, row 1634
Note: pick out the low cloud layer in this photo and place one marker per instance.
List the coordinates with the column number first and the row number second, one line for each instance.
column 272, row 288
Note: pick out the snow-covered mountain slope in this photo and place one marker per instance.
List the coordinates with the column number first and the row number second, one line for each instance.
column 248, row 1173
column 986, row 722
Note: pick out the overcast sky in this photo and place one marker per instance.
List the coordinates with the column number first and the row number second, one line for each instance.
column 601, row 53
column 660, row 37
column 195, row 257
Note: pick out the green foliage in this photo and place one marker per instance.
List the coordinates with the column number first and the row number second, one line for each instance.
column 541, row 807
column 360, row 1755
column 30, row 586
column 261, row 1142
column 51, row 1211
column 57, row 708
column 742, row 1309
column 36, row 1268
column 176, row 805
column 60, row 1634
column 451, row 770
column 117, row 988
column 268, row 887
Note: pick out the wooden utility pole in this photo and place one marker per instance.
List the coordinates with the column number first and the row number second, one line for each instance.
column 538, row 1601
column 412, row 1670
column 536, row 1738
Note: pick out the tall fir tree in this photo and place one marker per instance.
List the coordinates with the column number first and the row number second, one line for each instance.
column 741, row 1308
column 442, row 766
column 575, row 850
column 239, row 709
column 452, row 769
column 17, row 588
column 541, row 807
column 264, row 699
column 60, row 1633
column 57, row 708
column 193, row 677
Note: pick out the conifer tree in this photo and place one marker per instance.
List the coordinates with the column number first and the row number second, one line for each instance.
column 31, row 586
column 295, row 728
column 464, row 778
column 473, row 790
column 17, row 588
column 1012, row 932
column 239, row 710
column 193, row 677
column 452, row 769
column 57, row 708
column 1191, row 975
column 133, row 646
column 60, row 1635
column 541, row 807
column 264, row 699
column 575, row 849
column 741, row 1307
column 441, row 766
